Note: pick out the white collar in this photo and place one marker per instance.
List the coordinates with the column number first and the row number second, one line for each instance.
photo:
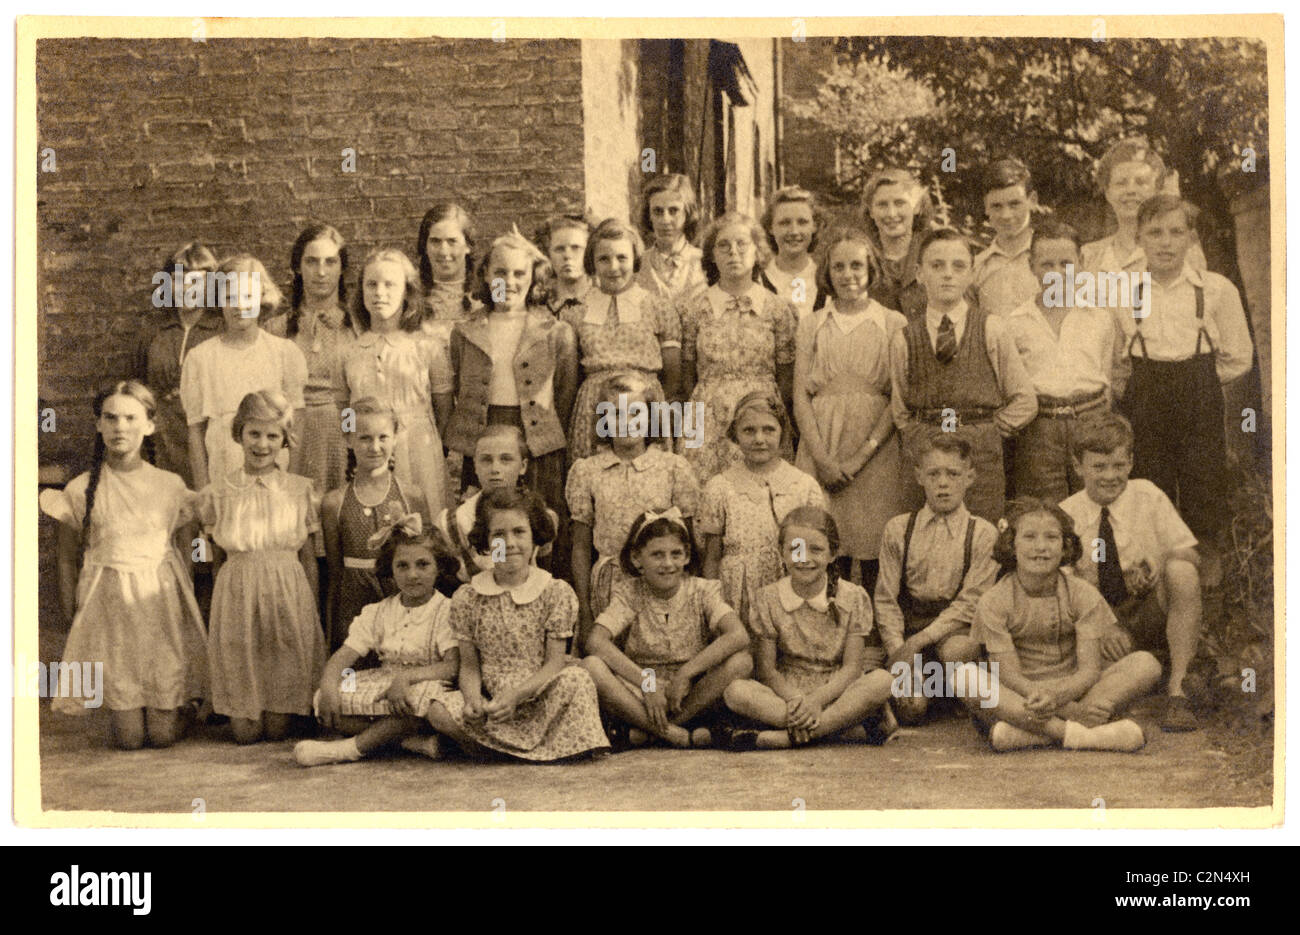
column 719, row 300
column 847, row 323
column 957, row 316
column 1188, row 272
column 629, row 305
column 790, row 601
column 925, row 516
column 242, row 480
column 527, row 592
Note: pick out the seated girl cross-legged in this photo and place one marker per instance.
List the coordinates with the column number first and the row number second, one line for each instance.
column 1042, row 630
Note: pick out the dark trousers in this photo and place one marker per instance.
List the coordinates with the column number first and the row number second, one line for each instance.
column 1176, row 408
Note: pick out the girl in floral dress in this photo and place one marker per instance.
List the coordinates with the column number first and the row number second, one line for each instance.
column 841, row 401
column 517, row 695
column 264, row 641
column 373, row 499
column 131, row 604
column 621, row 328
column 743, row 506
column 391, row 363
column 320, row 325
column 737, row 338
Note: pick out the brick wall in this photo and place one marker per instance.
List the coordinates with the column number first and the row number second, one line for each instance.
column 238, row 143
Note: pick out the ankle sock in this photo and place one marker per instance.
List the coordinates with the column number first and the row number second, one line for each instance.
column 322, row 752
column 1124, row 736
column 1004, row 737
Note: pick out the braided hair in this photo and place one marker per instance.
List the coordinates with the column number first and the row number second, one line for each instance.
column 814, row 517
column 370, row 406
column 144, row 396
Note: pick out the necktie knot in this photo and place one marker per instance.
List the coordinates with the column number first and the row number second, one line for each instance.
column 945, row 347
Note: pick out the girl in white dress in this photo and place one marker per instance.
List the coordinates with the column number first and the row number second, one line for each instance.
column 265, row 641
column 134, row 606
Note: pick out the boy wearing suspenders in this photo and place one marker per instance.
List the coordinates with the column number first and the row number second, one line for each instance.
column 934, row 565
column 1186, row 336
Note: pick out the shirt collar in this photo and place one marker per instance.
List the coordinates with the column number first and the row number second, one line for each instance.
column 271, row 480
column 1188, row 273
column 953, row 522
column 719, row 300
column 585, row 290
column 957, row 315
column 1095, row 508
column 607, row 459
column 996, row 249
column 875, row 313
column 790, row 601
column 629, row 305
column 527, row 592
column 371, row 338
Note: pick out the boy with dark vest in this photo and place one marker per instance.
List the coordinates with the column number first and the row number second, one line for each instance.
column 957, row 369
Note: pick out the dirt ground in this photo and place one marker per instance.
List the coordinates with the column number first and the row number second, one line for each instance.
column 943, row 765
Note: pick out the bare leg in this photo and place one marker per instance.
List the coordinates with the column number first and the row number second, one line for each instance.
column 1183, row 625
column 753, row 699
column 864, row 695
column 626, row 706
column 440, row 719
column 1131, row 677
column 385, row 731
column 1011, row 708
column 128, row 728
column 710, row 687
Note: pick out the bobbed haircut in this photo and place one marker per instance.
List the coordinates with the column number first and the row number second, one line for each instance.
column 1004, row 549
column 500, row 430
column 644, row 531
column 408, row 319
column 613, row 229
column 271, row 296
column 814, row 517
column 547, row 230
column 678, row 184
column 443, row 211
column 756, row 233
column 430, row 538
column 792, row 195
column 623, row 381
column 542, row 274
column 1101, row 433
column 510, row 498
column 764, row 402
column 853, row 235
column 264, row 406
column 193, row 257
column 923, row 208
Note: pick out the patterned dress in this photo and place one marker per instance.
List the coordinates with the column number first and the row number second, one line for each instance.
column 443, row 307
column 509, row 628
column 358, row 585
column 736, row 344
column 843, row 364
column 324, row 342
column 746, row 510
column 135, row 607
column 404, row 372
column 624, row 333
column 216, row 376
column 677, row 275
column 608, row 494
column 809, row 638
column 403, row 637
column 264, row 640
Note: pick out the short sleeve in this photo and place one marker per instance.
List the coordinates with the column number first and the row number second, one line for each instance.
column 363, row 633
column 441, row 638
column 711, row 603
column 562, row 610
column 620, row 613
column 713, row 507
column 192, row 387
column 1095, row 616
column 990, row 625
column 205, row 507
column 68, row 505
column 1172, row 532
column 439, row 364
column 690, row 320
column 294, row 376
column 578, row 493
column 761, row 625
column 784, row 322
column 668, row 322
column 854, row 604
column 462, row 613
column 686, row 487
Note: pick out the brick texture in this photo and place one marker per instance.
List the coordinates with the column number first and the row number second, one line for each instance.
column 238, row 143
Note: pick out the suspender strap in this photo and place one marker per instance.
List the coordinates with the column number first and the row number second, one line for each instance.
column 1201, row 333
column 965, row 555
column 907, row 546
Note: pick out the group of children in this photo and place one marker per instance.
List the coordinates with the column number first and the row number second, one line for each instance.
column 590, row 586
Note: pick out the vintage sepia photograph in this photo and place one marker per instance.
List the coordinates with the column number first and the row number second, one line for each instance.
column 819, row 422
